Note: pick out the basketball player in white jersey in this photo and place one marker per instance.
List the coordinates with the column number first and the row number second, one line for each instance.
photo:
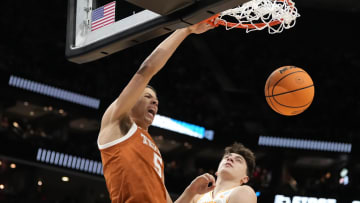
column 233, row 172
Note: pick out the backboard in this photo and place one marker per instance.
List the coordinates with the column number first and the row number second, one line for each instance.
column 128, row 23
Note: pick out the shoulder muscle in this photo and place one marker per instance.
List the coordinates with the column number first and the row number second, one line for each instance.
column 243, row 194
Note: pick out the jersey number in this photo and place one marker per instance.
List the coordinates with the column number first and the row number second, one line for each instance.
column 157, row 164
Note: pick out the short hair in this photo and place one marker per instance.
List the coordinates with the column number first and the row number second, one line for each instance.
column 151, row 87
column 248, row 155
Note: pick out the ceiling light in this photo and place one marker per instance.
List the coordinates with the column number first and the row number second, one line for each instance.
column 12, row 165
column 69, row 161
column 296, row 143
column 54, row 92
column 344, row 172
column 65, row 179
column 15, row 124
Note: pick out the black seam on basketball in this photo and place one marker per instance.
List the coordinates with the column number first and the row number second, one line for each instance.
column 294, row 107
column 290, row 91
column 293, row 91
column 272, row 93
column 271, row 104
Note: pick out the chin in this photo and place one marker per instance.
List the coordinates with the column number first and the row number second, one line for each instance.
column 149, row 121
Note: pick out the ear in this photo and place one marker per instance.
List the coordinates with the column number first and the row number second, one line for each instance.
column 244, row 180
column 216, row 173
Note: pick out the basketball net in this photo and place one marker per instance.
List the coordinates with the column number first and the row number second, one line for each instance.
column 275, row 15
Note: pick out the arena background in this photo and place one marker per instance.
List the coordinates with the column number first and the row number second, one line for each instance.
column 215, row 80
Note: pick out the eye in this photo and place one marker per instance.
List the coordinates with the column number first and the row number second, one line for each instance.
column 238, row 159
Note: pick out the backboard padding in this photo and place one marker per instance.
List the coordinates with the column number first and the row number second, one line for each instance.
column 162, row 7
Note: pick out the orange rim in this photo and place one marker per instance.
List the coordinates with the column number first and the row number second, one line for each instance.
column 211, row 21
column 248, row 26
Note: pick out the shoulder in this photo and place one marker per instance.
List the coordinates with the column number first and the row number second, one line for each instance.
column 242, row 194
column 116, row 132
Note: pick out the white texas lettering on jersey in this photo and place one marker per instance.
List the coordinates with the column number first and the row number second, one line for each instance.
column 148, row 142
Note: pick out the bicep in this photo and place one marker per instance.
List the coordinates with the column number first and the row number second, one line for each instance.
column 105, row 120
column 126, row 100
column 129, row 96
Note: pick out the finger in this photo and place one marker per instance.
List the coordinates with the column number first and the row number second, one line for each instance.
column 204, row 179
column 210, row 178
column 207, row 176
column 210, row 188
column 217, row 22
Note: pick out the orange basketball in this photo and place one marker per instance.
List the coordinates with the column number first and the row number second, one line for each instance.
column 289, row 90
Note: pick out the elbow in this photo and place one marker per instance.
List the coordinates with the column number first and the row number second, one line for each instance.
column 146, row 70
column 153, row 63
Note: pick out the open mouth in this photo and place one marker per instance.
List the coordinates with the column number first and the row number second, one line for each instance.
column 152, row 112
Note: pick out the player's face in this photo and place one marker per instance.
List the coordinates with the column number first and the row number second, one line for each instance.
column 234, row 166
column 146, row 108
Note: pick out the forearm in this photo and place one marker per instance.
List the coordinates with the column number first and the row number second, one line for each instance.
column 185, row 197
column 147, row 70
column 200, row 185
column 158, row 58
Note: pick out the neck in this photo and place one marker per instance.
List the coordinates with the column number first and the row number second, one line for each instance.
column 223, row 184
column 144, row 128
column 141, row 124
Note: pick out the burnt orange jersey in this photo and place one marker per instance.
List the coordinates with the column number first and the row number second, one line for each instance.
column 133, row 168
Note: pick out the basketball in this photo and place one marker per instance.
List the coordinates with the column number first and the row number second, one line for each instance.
column 289, row 90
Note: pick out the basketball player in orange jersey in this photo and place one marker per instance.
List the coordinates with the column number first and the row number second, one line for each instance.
column 132, row 164
column 233, row 172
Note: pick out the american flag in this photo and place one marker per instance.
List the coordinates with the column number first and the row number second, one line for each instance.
column 103, row 16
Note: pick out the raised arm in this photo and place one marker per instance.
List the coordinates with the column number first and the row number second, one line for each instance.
column 152, row 64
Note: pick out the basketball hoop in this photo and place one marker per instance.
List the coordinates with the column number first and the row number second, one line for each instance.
column 276, row 15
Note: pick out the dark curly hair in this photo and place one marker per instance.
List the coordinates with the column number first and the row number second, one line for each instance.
column 248, row 155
